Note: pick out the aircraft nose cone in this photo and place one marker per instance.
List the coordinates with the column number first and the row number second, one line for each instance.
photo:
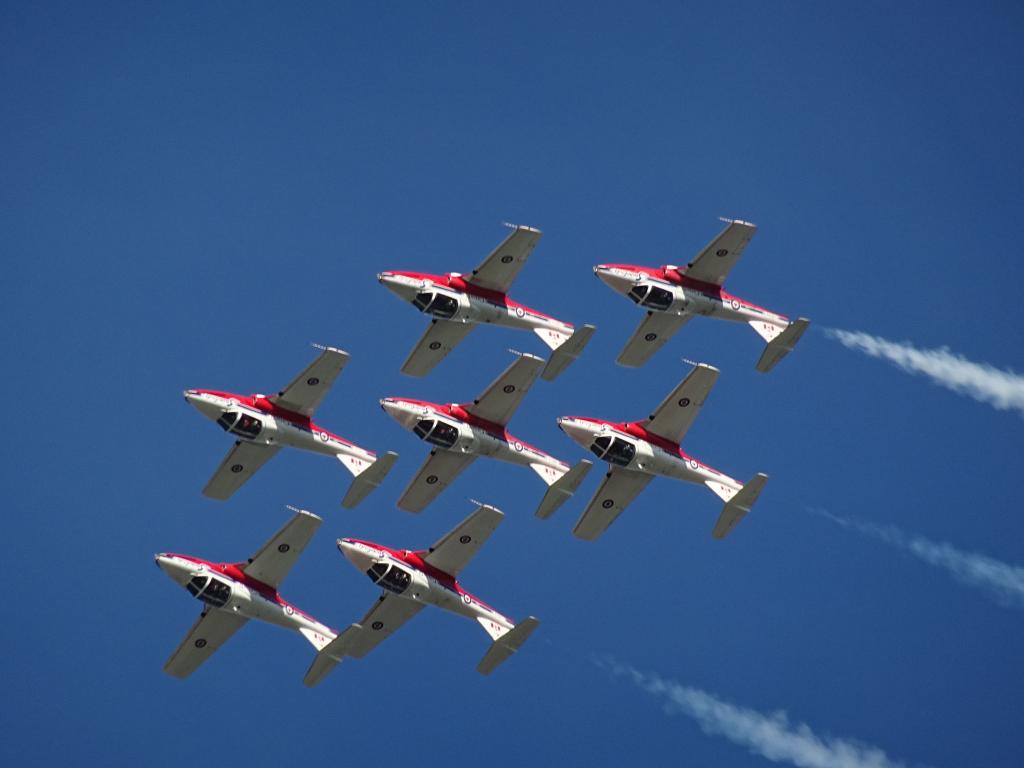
column 359, row 558
column 612, row 278
column 575, row 429
column 398, row 411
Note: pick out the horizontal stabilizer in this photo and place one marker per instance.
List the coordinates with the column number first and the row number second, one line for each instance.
column 331, row 654
column 506, row 645
column 368, row 479
column 735, row 509
column 782, row 344
column 566, row 352
column 562, row 489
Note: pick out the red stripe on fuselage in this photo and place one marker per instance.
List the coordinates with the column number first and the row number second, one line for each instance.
column 266, row 405
column 459, row 413
column 415, row 560
column 234, row 572
column 637, row 430
column 710, row 290
column 457, row 283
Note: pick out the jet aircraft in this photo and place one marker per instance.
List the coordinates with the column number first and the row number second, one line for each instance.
column 233, row 593
column 636, row 451
column 672, row 295
column 412, row 580
column 263, row 424
column 456, row 303
column 460, row 433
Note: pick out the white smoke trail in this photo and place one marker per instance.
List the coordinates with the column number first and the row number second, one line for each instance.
column 1001, row 581
column 770, row 735
column 1003, row 390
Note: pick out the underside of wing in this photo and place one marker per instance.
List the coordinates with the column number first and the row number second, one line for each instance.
column 380, row 622
column 677, row 412
column 209, row 633
column 440, row 338
column 650, row 336
column 619, row 488
column 437, row 472
column 275, row 558
column 500, row 268
column 457, row 547
column 306, row 390
column 239, row 465
column 714, row 263
column 501, row 399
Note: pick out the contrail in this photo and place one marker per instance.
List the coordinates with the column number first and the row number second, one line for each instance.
column 1001, row 581
column 1003, row 390
column 770, row 735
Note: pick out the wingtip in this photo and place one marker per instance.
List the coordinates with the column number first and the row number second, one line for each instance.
column 480, row 504
column 518, row 227
column 738, row 221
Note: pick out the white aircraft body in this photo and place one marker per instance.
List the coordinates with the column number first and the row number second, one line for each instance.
column 233, row 593
column 672, row 295
column 412, row 580
column 263, row 424
column 460, row 433
column 637, row 451
column 457, row 303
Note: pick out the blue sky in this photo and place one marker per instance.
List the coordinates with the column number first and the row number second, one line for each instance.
column 192, row 194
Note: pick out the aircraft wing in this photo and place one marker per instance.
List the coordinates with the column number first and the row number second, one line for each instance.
column 387, row 615
column 650, row 336
column 714, row 263
column 307, row 389
column 275, row 558
column 238, row 466
column 679, row 410
column 498, row 270
column 619, row 488
column 501, row 399
column 437, row 472
column 210, row 632
column 457, row 547
column 440, row 338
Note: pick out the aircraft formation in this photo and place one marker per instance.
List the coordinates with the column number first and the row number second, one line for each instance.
column 456, row 434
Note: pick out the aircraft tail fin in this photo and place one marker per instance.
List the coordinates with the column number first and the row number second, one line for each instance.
column 737, row 503
column 567, row 349
column 780, row 341
column 561, row 489
column 317, row 639
column 367, row 476
column 330, row 655
column 505, row 644
column 495, row 630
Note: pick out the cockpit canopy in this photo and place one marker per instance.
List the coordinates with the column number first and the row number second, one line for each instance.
column 647, row 295
column 613, row 450
column 436, row 432
column 436, row 304
column 390, row 577
column 240, row 424
column 210, row 590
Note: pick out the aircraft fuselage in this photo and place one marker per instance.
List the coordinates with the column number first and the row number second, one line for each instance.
column 630, row 446
column 450, row 297
column 225, row 587
column 255, row 419
column 665, row 289
column 405, row 574
column 455, row 429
